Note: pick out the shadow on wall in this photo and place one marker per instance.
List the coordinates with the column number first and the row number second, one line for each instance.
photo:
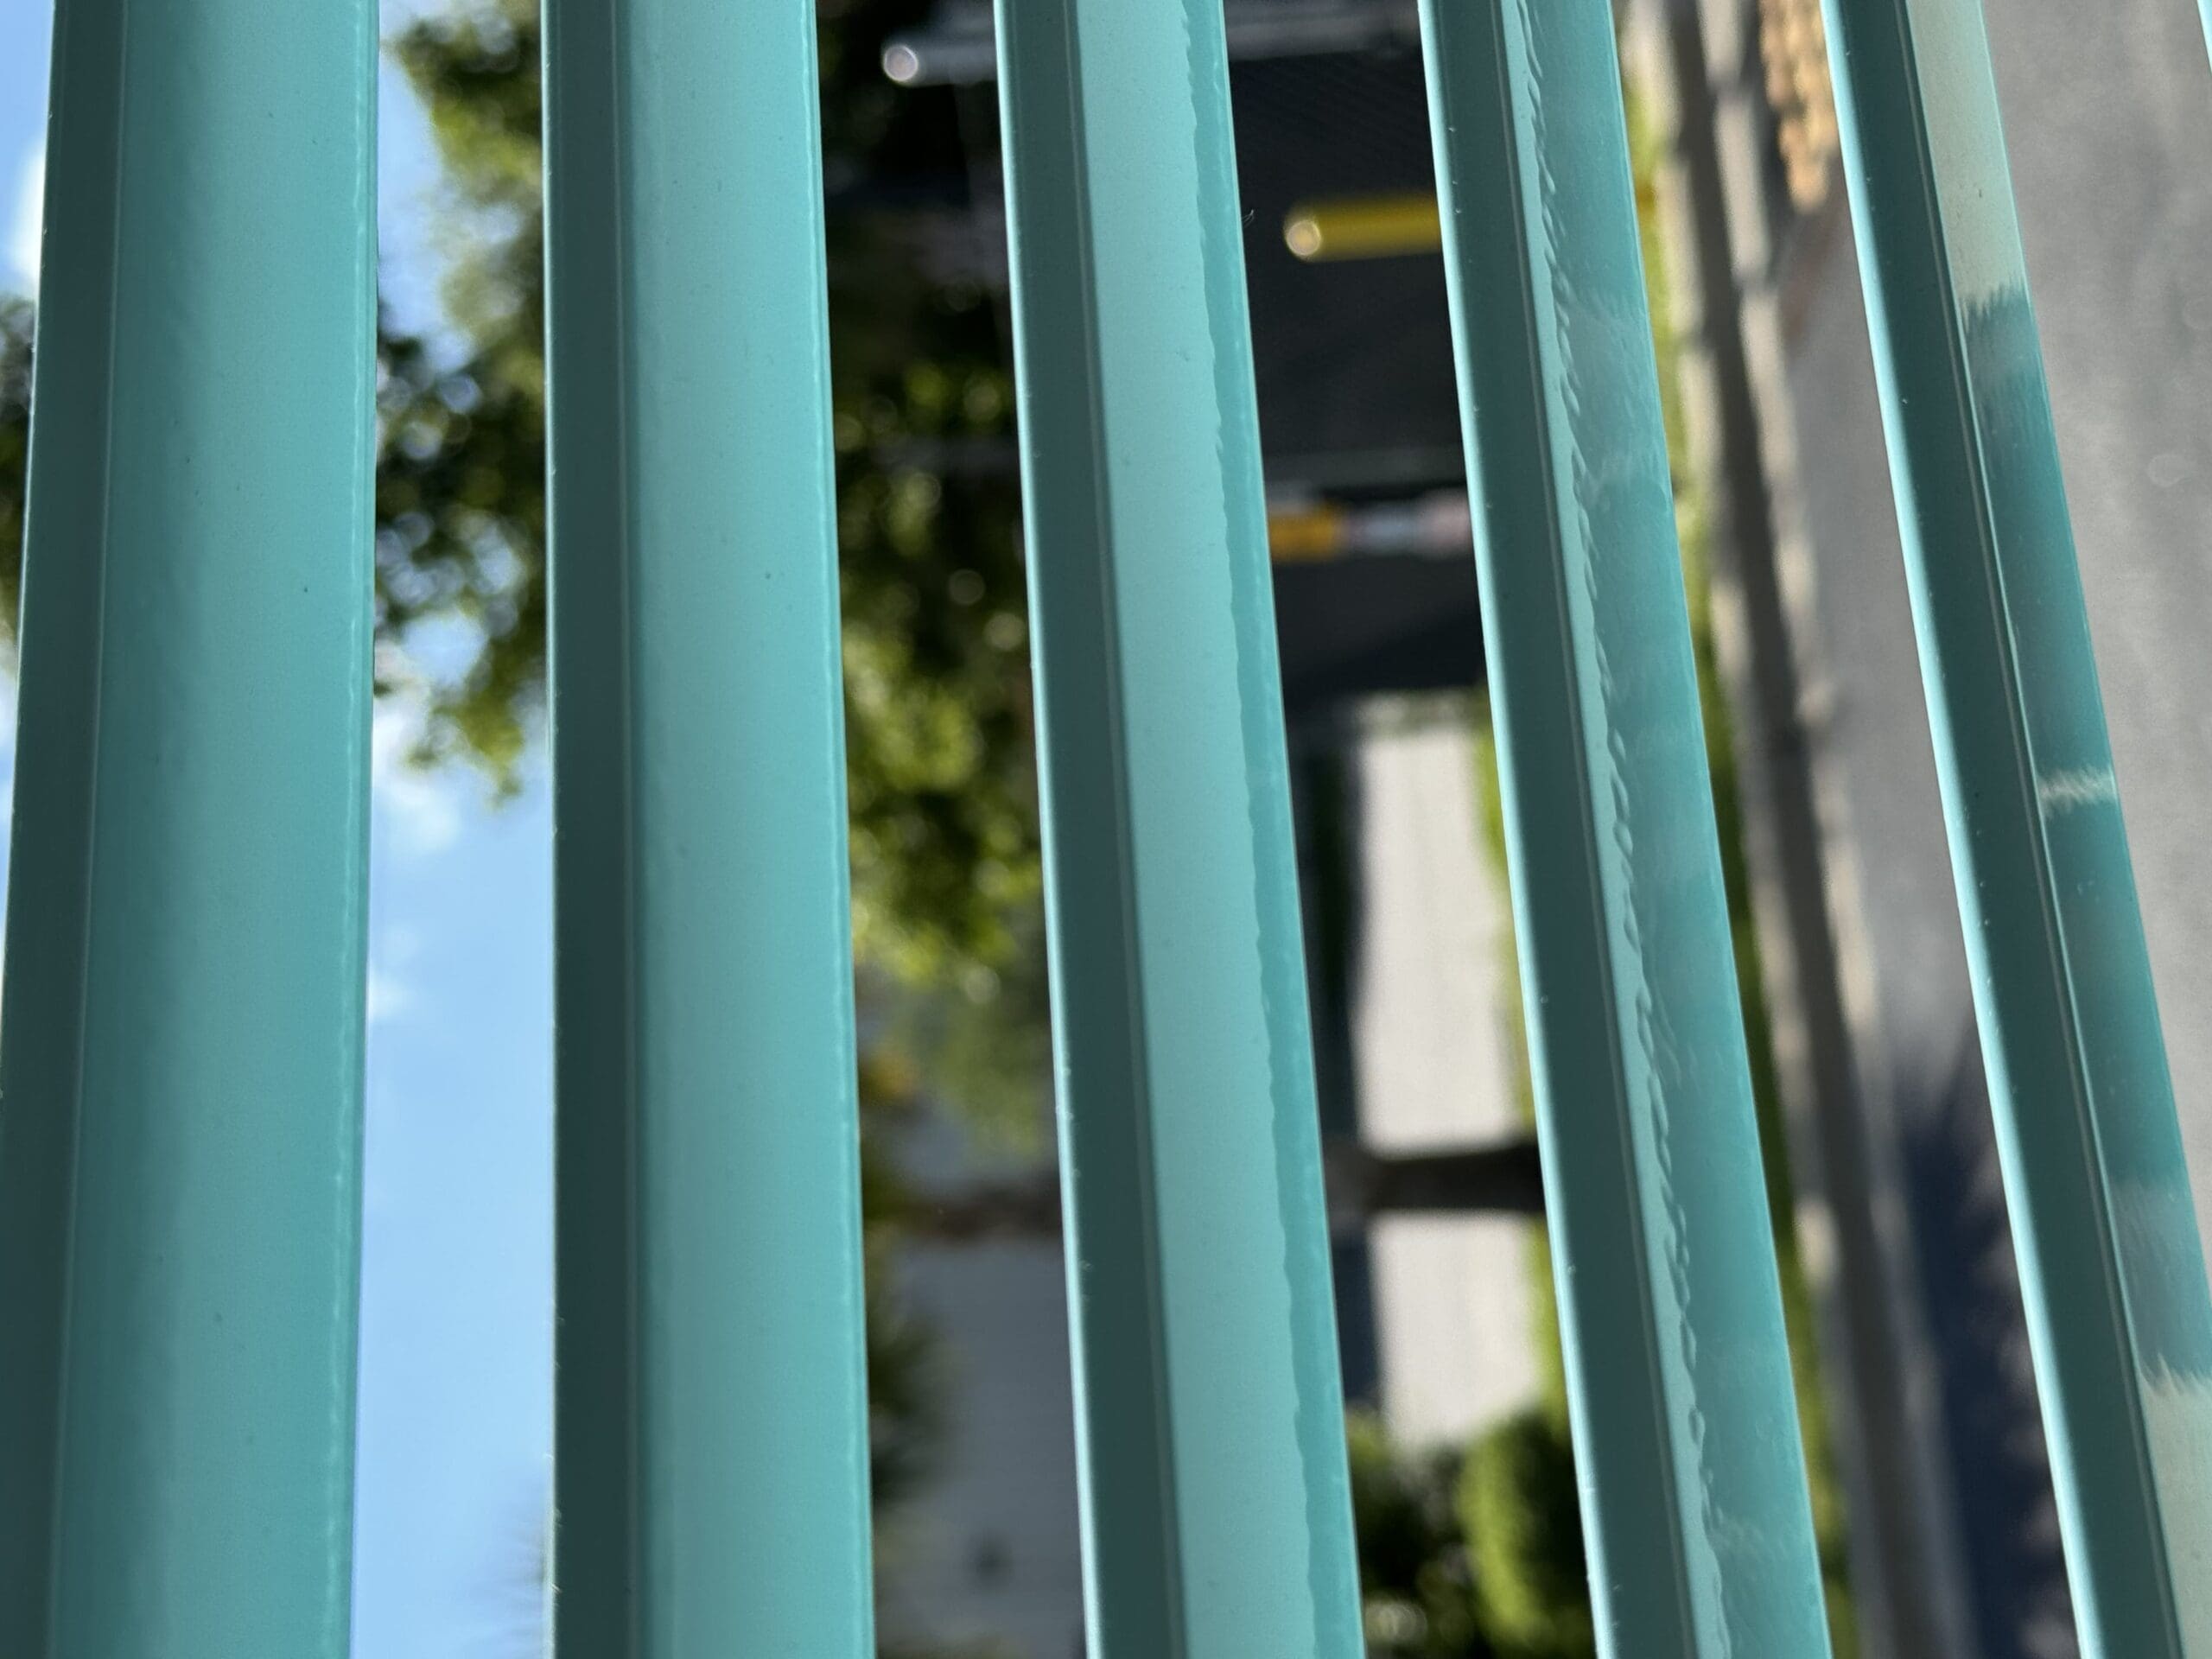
column 2000, row 1467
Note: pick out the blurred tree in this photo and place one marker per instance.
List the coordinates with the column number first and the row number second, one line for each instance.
column 944, row 848
column 944, row 840
column 1416, row 1580
column 1517, row 1506
column 14, row 443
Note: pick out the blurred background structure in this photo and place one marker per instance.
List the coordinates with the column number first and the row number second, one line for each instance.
column 1932, row 1499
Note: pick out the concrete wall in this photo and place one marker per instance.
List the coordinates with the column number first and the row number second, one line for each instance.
column 1453, row 1293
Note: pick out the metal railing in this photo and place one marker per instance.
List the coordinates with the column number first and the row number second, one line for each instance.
column 181, row 1079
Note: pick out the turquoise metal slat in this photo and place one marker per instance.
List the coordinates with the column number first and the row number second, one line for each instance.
column 2103, row 1219
column 1217, row 1513
column 1693, row 1496
column 711, row 1415
column 179, row 1142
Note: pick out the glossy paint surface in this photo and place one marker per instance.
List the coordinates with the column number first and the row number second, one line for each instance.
column 1694, row 1495
column 1217, row 1514
column 2103, row 1224
column 710, row 1402
column 181, row 1078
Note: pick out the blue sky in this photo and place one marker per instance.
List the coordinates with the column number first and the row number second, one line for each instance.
column 456, row 1330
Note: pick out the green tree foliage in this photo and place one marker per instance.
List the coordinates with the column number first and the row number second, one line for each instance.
column 944, row 840
column 1472, row 1556
column 1416, row 1586
column 14, row 443
column 944, row 851
column 1518, row 1505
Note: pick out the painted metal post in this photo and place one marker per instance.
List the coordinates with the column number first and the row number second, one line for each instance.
column 1217, row 1514
column 1694, row 1503
column 181, row 1078
column 712, row 1451
column 2102, row 1220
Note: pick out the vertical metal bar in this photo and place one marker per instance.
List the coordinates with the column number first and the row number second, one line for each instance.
column 1702, row 61
column 1216, row 1512
column 180, row 1142
column 711, row 1412
column 1694, row 1503
column 2104, row 1230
